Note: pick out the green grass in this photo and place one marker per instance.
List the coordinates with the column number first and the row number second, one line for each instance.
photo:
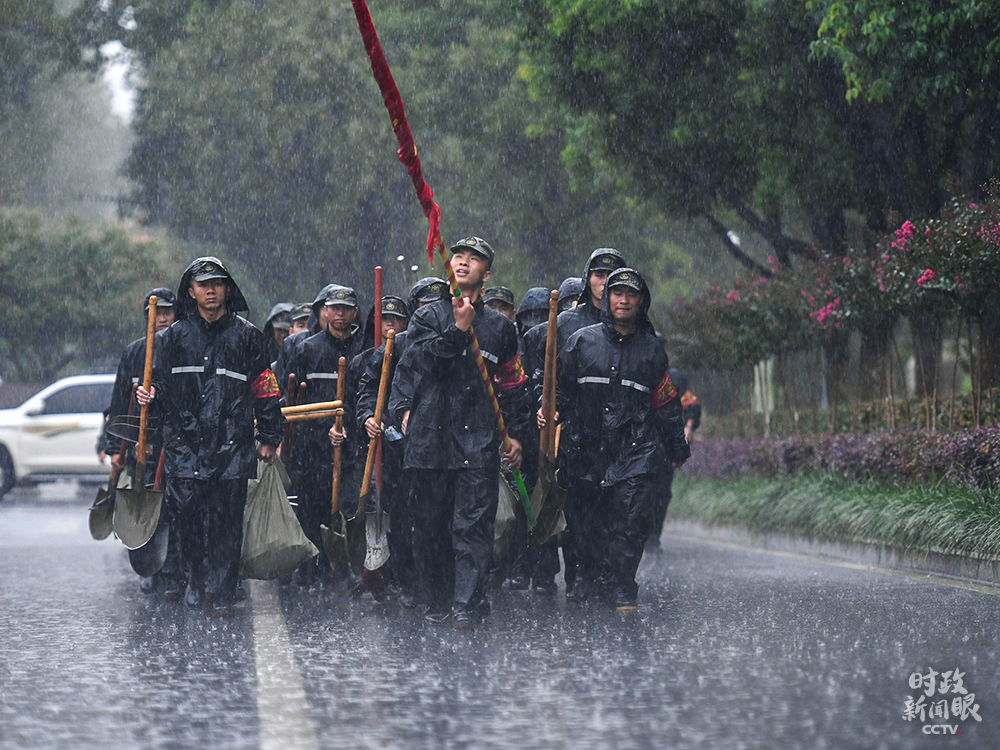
column 939, row 518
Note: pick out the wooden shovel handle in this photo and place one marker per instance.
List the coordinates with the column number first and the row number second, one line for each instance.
column 378, row 343
column 338, row 450
column 547, row 441
column 288, row 411
column 383, row 392
column 314, row 415
column 158, row 482
column 147, row 380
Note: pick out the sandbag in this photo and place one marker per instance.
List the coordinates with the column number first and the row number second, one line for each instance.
column 273, row 541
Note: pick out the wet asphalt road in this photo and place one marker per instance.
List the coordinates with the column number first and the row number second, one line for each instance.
column 731, row 648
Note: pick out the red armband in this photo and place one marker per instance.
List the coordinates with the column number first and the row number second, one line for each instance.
column 265, row 386
column 664, row 393
column 688, row 398
column 511, row 375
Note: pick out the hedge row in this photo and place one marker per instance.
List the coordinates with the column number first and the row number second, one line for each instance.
column 871, row 416
column 969, row 458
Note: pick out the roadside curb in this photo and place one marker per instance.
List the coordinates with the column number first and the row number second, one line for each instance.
column 934, row 563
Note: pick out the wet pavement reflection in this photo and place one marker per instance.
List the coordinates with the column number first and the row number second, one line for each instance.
column 730, row 648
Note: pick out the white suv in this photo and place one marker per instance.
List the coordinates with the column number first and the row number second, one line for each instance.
column 54, row 433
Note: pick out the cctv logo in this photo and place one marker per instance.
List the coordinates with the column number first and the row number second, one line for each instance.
column 941, row 729
column 942, row 696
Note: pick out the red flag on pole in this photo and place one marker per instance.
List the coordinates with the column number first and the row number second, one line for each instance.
column 394, row 103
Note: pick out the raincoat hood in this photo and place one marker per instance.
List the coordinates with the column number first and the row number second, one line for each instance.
column 632, row 278
column 602, row 258
column 536, row 298
column 533, row 310
column 427, row 289
column 186, row 306
column 313, row 323
column 569, row 291
column 277, row 310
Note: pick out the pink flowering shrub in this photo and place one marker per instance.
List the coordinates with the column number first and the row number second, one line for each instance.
column 945, row 265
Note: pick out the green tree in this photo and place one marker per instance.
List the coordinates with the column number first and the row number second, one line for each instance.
column 68, row 295
column 32, row 47
column 261, row 130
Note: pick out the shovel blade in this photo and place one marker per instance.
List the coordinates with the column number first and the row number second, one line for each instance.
column 148, row 559
column 137, row 511
column 376, row 540
column 548, row 499
column 335, row 543
column 356, row 536
column 101, row 516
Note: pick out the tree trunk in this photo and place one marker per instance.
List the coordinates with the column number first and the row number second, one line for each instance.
column 926, row 328
column 838, row 357
column 871, row 362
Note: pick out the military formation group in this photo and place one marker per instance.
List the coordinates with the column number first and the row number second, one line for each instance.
column 218, row 386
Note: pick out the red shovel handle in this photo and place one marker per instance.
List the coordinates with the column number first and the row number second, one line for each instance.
column 147, row 380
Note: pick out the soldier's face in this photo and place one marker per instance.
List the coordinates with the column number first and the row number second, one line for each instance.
column 502, row 307
column 164, row 318
column 209, row 295
column 299, row 325
column 392, row 323
column 471, row 269
column 624, row 302
column 596, row 281
column 341, row 319
column 280, row 334
column 324, row 317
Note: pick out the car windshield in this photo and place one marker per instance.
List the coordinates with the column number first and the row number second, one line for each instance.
column 79, row 399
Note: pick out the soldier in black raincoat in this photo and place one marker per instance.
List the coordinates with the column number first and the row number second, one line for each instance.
column 587, row 312
column 130, row 372
column 132, row 362
column 622, row 419
column 316, row 362
column 397, row 481
column 211, row 381
column 317, row 320
column 366, row 373
column 452, row 437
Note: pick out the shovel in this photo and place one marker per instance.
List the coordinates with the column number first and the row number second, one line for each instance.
column 376, row 541
column 335, row 535
column 548, row 498
column 137, row 510
column 149, row 558
column 102, row 511
column 356, row 537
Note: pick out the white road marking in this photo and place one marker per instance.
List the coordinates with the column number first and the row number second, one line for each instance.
column 282, row 707
column 979, row 588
